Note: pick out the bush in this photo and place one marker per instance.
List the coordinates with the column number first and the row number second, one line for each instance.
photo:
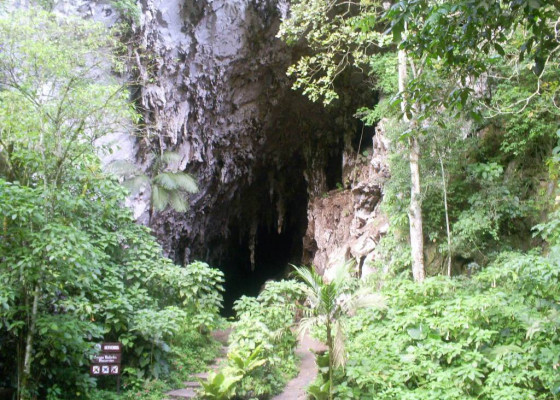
column 261, row 351
column 492, row 337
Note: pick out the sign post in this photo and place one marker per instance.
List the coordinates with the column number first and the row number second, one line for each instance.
column 108, row 361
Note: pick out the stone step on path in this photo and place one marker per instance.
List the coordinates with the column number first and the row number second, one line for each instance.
column 190, row 387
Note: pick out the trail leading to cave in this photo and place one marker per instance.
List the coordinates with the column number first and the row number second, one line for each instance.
column 295, row 389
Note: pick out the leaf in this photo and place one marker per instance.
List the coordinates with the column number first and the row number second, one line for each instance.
column 499, row 49
column 339, row 351
column 417, row 333
column 160, row 198
column 185, row 182
column 171, row 157
column 178, row 202
column 397, row 29
column 166, row 181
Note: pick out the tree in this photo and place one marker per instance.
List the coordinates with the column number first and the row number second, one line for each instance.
column 74, row 268
column 327, row 305
column 52, row 110
column 342, row 35
column 464, row 39
column 416, row 222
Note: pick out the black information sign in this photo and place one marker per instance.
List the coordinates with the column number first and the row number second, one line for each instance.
column 108, row 361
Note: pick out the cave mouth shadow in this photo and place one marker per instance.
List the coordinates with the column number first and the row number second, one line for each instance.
column 276, row 240
column 274, row 252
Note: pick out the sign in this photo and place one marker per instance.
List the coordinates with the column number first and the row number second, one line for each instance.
column 107, row 358
column 97, row 370
column 111, row 347
column 108, row 361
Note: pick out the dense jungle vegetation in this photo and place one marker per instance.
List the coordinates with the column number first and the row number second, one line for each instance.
column 465, row 301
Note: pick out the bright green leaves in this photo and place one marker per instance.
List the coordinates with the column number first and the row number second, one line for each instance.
column 74, row 267
column 262, row 337
column 417, row 333
column 461, row 338
column 105, row 279
column 339, row 37
column 53, row 104
column 219, row 386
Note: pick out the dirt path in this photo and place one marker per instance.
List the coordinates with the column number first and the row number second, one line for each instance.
column 295, row 389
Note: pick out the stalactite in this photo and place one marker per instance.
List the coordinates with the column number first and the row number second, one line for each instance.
column 253, row 241
column 281, row 210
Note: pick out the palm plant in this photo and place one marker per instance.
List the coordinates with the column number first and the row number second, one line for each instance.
column 327, row 305
column 169, row 187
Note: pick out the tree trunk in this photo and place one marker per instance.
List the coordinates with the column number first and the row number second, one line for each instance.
column 415, row 208
column 24, row 390
column 331, row 361
column 444, row 183
column 415, row 212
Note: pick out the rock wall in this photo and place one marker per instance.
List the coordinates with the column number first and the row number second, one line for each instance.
column 347, row 223
column 213, row 87
column 210, row 83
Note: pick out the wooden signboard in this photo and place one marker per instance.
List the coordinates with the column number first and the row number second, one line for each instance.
column 108, row 361
column 107, row 358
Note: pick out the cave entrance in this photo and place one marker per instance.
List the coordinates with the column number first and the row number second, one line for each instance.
column 273, row 254
column 264, row 239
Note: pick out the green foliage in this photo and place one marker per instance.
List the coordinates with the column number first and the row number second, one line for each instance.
column 462, row 40
column 319, row 391
column 219, row 386
column 128, row 9
column 340, row 36
column 328, row 303
column 74, row 268
column 493, row 337
column 169, row 187
column 83, row 281
column 262, row 343
column 52, row 103
column 243, row 364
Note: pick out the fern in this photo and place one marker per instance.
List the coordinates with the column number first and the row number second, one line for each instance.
column 171, row 157
column 160, row 198
column 169, row 188
column 185, row 182
column 178, row 202
column 166, row 180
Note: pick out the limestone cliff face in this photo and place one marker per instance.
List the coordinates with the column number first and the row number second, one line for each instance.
column 210, row 83
column 347, row 223
column 214, row 88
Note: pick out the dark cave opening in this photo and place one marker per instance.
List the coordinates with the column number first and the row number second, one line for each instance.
column 273, row 254
column 275, row 236
column 333, row 170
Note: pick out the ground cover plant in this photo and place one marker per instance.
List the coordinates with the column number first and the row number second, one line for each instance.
column 494, row 336
column 261, row 355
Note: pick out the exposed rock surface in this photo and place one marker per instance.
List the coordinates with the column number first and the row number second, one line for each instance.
column 210, row 84
column 214, row 87
column 347, row 224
